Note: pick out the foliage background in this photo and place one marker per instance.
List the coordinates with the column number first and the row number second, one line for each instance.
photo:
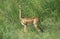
column 48, row 12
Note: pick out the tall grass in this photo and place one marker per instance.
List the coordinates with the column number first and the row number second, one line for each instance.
column 47, row 11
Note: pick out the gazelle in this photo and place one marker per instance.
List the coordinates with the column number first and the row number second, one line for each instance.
column 25, row 21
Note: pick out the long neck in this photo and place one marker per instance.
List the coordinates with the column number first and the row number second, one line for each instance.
column 20, row 11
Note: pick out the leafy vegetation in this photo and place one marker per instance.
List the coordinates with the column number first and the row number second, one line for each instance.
column 46, row 10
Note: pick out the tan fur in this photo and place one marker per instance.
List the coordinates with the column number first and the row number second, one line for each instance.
column 25, row 21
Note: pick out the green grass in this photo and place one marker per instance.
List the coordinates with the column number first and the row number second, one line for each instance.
column 10, row 27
